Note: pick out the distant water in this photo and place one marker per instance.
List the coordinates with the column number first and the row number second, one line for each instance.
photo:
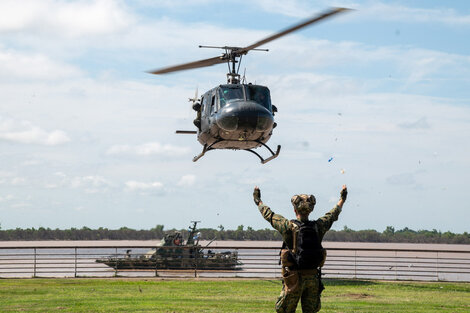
column 394, row 261
column 230, row 243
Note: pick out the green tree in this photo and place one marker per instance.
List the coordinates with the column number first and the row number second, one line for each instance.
column 389, row 231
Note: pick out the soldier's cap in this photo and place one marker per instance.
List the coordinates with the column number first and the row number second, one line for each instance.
column 303, row 203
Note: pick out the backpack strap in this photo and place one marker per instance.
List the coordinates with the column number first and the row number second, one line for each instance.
column 295, row 228
column 317, row 232
column 295, row 232
column 296, row 222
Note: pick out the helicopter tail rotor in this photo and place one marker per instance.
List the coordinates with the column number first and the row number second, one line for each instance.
column 195, row 99
column 196, row 107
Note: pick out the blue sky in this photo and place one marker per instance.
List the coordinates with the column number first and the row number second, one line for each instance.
column 87, row 136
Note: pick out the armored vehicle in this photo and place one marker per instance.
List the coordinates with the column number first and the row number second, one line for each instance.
column 175, row 254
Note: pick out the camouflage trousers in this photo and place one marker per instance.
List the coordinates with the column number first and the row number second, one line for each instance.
column 308, row 292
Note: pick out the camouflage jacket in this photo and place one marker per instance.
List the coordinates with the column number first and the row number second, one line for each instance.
column 285, row 226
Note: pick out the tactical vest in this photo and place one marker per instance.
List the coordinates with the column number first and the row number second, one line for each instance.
column 307, row 252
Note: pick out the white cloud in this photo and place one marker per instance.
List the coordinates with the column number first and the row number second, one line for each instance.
column 29, row 66
column 6, row 174
column 288, row 8
column 144, row 188
column 174, row 4
column 254, row 181
column 27, row 133
column 91, row 184
column 6, row 198
column 18, row 181
column 409, row 64
column 421, row 123
column 151, row 148
column 88, row 183
column 21, row 205
column 394, row 12
column 377, row 10
column 187, row 181
column 31, row 163
column 67, row 18
column 294, row 8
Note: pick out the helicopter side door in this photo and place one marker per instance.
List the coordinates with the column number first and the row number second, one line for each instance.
column 213, row 104
column 205, row 111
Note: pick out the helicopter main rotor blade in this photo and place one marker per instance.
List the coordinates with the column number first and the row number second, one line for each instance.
column 291, row 29
column 191, row 65
column 237, row 52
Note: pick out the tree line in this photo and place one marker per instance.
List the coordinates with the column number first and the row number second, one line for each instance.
column 241, row 233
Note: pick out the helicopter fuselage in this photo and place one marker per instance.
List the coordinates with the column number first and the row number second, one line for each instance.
column 236, row 116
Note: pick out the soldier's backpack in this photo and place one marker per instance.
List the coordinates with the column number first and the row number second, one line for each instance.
column 308, row 252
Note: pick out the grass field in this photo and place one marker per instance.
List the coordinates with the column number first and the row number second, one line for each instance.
column 147, row 295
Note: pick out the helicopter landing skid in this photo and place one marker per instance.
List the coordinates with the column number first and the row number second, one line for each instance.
column 273, row 155
column 263, row 161
column 204, row 150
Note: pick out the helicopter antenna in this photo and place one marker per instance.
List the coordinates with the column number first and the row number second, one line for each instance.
column 244, row 77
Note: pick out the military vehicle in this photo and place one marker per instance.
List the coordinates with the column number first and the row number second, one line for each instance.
column 236, row 115
column 175, row 254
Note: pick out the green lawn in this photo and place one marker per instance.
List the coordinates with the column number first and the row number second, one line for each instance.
column 192, row 295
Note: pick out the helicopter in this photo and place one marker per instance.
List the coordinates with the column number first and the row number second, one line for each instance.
column 236, row 115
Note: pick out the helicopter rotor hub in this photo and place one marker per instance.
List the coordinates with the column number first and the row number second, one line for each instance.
column 233, row 78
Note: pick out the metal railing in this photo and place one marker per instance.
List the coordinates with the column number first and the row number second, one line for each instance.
column 228, row 261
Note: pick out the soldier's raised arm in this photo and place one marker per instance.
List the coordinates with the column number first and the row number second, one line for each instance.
column 326, row 221
column 277, row 221
column 344, row 195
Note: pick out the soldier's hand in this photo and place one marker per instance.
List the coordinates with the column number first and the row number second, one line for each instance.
column 257, row 195
column 344, row 193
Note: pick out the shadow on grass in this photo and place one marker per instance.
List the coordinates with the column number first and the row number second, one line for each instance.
column 347, row 282
column 334, row 282
column 437, row 286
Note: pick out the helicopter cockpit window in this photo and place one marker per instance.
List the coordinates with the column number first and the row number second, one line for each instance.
column 213, row 107
column 227, row 94
column 204, row 106
column 259, row 94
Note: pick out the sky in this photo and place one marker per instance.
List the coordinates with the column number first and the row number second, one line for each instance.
column 87, row 136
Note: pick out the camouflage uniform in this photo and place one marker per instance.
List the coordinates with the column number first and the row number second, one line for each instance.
column 309, row 283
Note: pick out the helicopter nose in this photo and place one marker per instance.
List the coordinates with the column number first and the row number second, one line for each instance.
column 244, row 115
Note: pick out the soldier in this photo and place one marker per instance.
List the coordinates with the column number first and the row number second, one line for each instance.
column 302, row 255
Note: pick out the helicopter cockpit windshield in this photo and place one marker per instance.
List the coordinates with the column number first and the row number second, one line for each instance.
column 230, row 93
column 259, row 94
